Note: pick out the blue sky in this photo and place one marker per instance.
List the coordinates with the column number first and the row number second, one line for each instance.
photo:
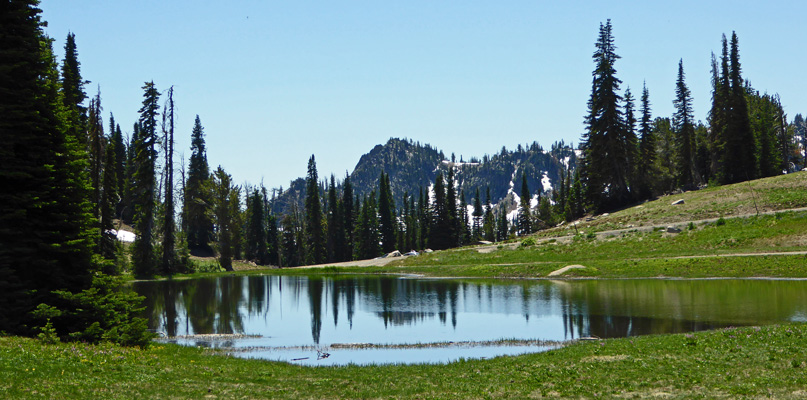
column 274, row 82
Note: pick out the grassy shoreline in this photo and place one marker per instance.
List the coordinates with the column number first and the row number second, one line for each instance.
column 735, row 362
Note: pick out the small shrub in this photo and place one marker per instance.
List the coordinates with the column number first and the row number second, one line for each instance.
column 720, row 221
column 527, row 242
column 691, row 226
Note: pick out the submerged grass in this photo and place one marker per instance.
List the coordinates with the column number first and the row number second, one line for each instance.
column 732, row 363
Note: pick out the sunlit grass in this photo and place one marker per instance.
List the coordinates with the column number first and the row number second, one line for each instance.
column 744, row 362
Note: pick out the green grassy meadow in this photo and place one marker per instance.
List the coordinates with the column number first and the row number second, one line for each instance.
column 755, row 362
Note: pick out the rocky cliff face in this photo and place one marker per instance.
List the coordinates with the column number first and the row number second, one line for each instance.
column 412, row 166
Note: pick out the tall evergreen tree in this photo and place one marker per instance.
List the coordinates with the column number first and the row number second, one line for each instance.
column 95, row 146
column 47, row 229
column 606, row 144
column 386, row 214
column 738, row 161
column 256, row 248
column 336, row 227
column 524, row 215
column 452, row 223
column 109, row 200
column 632, row 143
column 440, row 232
column 489, row 225
column 684, row 128
column 196, row 200
column 349, row 218
column 367, row 235
column 647, row 147
column 502, row 226
column 315, row 243
column 73, row 94
column 143, row 255
column 119, row 146
column 226, row 221
column 290, row 247
column 462, row 220
column 477, row 214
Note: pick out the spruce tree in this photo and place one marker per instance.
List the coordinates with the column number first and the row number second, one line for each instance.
column 47, row 229
column 489, row 226
column 684, row 129
column 606, row 144
column 109, row 201
column 226, row 221
column 256, row 249
column 315, row 241
column 349, row 218
column 477, row 214
column 524, row 222
column 73, row 94
column 386, row 214
column 738, row 162
column 452, row 223
column 197, row 202
column 441, row 227
column 290, row 249
column 95, row 146
column 462, row 220
column 336, row 227
column 647, row 147
column 144, row 194
column 119, row 146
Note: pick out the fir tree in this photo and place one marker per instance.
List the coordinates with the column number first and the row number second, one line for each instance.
column 336, row 227
column 109, row 200
column 116, row 142
column 489, row 226
column 349, row 218
column 315, row 243
column 73, row 94
column 144, row 190
column 502, row 226
column 524, row 216
column 463, row 223
column 367, row 235
column 685, row 132
column 738, row 161
column 197, row 203
column 443, row 226
column 647, row 147
column 95, row 145
column 256, row 249
column 226, row 221
column 452, row 224
column 386, row 214
column 477, row 214
column 290, row 249
column 606, row 144
column 47, row 229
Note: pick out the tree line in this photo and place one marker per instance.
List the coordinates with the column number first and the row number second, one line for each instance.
column 629, row 156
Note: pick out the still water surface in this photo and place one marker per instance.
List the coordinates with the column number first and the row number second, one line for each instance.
column 371, row 319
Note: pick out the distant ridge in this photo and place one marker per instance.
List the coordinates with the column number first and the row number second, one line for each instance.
column 412, row 166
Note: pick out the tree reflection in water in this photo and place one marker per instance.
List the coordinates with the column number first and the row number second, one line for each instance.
column 418, row 310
